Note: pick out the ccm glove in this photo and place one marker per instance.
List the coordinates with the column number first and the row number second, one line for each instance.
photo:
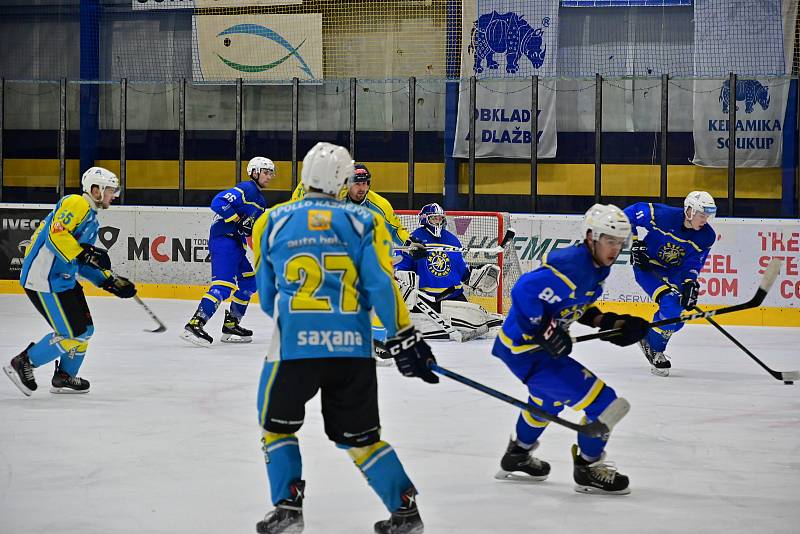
column 417, row 249
column 639, row 257
column 119, row 286
column 94, row 257
column 412, row 354
column 633, row 328
column 246, row 226
column 554, row 339
column 690, row 290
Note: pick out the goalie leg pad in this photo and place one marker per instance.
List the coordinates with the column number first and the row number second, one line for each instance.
column 408, row 282
column 469, row 317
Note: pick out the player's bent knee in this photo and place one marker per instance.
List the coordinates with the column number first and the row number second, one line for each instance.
column 271, row 426
column 221, row 293
column 360, row 454
column 363, row 439
column 247, row 286
column 601, row 402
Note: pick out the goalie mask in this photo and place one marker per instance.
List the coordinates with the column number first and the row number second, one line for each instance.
column 433, row 219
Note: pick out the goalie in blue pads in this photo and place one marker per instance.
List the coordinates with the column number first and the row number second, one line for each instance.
column 321, row 266
column 433, row 283
column 535, row 344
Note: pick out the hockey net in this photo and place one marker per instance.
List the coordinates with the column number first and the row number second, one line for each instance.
column 481, row 229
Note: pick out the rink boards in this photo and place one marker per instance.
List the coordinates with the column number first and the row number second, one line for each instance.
column 165, row 251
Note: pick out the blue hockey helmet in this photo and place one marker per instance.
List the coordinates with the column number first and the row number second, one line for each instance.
column 433, row 219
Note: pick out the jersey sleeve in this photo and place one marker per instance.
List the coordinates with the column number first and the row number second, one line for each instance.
column 69, row 214
column 265, row 273
column 299, row 192
column 697, row 259
column 535, row 294
column 377, row 278
column 398, row 232
column 95, row 276
column 406, row 263
column 640, row 215
column 229, row 204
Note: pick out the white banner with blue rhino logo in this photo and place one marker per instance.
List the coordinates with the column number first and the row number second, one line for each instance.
column 760, row 112
column 257, row 47
column 505, row 42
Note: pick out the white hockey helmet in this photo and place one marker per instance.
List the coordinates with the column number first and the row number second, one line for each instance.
column 327, row 167
column 258, row 163
column 699, row 202
column 606, row 219
column 100, row 177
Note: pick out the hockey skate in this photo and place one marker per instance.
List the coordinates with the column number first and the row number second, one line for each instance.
column 519, row 464
column 598, row 476
column 405, row 520
column 232, row 332
column 20, row 372
column 659, row 364
column 193, row 332
column 63, row 383
column 287, row 517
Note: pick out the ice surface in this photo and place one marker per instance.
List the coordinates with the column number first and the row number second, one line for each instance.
column 167, row 439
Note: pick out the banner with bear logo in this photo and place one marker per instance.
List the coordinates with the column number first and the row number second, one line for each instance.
column 760, row 113
column 504, row 43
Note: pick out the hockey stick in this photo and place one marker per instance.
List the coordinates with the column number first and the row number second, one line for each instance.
column 788, row 377
column 509, row 235
column 770, row 273
column 596, row 429
column 161, row 326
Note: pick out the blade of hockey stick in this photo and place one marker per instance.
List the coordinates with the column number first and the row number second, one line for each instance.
column 770, row 274
column 161, row 326
column 596, row 429
column 787, row 376
column 509, row 235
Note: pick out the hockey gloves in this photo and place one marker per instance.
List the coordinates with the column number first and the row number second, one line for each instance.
column 412, row 354
column 246, row 226
column 633, row 328
column 690, row 290
column 94, row 257
column 639, row 257
column 416, row 248
column 554, row 339
column 119, row 286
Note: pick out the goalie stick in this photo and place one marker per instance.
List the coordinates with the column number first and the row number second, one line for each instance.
column 596, row 429
column 507, row 238
column 770, row 273
column 787, row 376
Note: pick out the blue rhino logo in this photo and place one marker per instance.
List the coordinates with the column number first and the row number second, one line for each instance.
column 509, row 34
column 748, row 91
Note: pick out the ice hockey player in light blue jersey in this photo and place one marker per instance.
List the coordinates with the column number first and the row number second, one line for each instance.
column 670, row 256
column 321, row 266
column 535, row 344
column 235, row 211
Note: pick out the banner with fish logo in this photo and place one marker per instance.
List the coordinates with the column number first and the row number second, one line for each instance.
column 257, row 47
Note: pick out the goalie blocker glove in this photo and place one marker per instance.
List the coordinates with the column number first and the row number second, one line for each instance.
column 690, row 290
column 119, row 286
column 416, row 248
column 94, row 257
column 412, row 355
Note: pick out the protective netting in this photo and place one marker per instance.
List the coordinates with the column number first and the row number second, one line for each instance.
column 207, row 40
column 481, row 230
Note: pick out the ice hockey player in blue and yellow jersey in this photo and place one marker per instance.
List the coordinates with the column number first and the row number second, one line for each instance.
column 667, row 262
column 321, row 266
column 535, row 344
column 235, row 211
column 61, row 249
